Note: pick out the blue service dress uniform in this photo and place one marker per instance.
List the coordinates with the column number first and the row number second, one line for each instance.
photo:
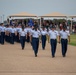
column 64, row 41
column 35, row 40
column 28, row 33
column 12, row 35
column 8, row 34
column 53, row 41
column 43, row 38
column 18, row 30
column 22, row 34
column 2, row 34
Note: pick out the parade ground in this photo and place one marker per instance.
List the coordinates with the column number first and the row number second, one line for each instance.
column 15, row 61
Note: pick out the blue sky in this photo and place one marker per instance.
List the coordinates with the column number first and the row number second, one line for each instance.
column 38, row 7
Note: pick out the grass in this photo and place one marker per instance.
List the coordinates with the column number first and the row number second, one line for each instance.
column 73, row 39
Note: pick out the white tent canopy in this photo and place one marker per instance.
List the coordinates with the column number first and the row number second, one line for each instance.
column 23, row 14
column 72, row 16
column 54, row 14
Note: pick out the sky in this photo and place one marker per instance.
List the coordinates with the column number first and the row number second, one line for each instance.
column 38, row 7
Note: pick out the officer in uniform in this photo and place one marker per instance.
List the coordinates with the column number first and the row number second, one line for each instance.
column 12, row 34
column 2, row 33
column 65, row 36
column 28, row 28
column 43, row 37
column 18, row 29
column 53, row 40
column 22, row 34
column 8, row 33
column 15, row 28
column 35, row 39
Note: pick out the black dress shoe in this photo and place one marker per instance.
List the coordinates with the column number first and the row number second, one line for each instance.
column 22, row 48
column 43, row 48
column 64, row 55
column 53, row 56
column 35, row 55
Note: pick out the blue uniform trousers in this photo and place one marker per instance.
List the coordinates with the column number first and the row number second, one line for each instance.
column 32, row 43
column 43, row 38
column 2, row 37
column 12, row 38
column 18, row 40
column 28, row 37
column 8, row 38
column 22, row 41
column 53, row 43
column 64, row 43
column 35, row 44
column 15, row 38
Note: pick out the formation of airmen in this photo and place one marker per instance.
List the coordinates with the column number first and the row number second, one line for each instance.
column 20, row 33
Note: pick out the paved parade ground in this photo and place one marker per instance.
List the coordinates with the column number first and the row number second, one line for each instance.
column 15, row 61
